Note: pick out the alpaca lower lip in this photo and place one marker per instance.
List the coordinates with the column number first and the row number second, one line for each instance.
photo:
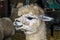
column 24, row 30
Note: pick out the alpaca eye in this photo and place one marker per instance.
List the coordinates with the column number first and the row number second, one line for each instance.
column 30, row 18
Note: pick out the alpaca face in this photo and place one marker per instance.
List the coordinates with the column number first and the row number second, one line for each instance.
column 27, row 23
column 30, row 18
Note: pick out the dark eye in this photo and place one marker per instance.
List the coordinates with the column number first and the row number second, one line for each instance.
column 30, row 18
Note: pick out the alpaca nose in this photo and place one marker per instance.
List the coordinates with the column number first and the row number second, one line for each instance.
column 18, row 25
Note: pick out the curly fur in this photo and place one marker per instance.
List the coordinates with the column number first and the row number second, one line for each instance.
column 6, row 29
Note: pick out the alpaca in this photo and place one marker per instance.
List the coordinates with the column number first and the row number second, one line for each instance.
column 6, row 29
column 14, row 11
column 30, row 20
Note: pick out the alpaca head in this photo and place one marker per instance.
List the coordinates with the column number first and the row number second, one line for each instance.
column 29, row 19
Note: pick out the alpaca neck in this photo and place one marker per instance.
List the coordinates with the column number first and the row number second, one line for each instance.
column 40, row 35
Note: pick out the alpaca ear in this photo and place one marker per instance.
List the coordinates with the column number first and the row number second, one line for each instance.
column 19, row 5
column 45, row 18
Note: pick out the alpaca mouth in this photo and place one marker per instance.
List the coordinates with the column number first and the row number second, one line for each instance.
column 20, row 28
column 27, row 30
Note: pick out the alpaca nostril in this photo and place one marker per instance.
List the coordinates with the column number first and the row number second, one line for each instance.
column 17, row 21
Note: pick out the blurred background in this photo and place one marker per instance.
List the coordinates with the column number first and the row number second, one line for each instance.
column 51, row 8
